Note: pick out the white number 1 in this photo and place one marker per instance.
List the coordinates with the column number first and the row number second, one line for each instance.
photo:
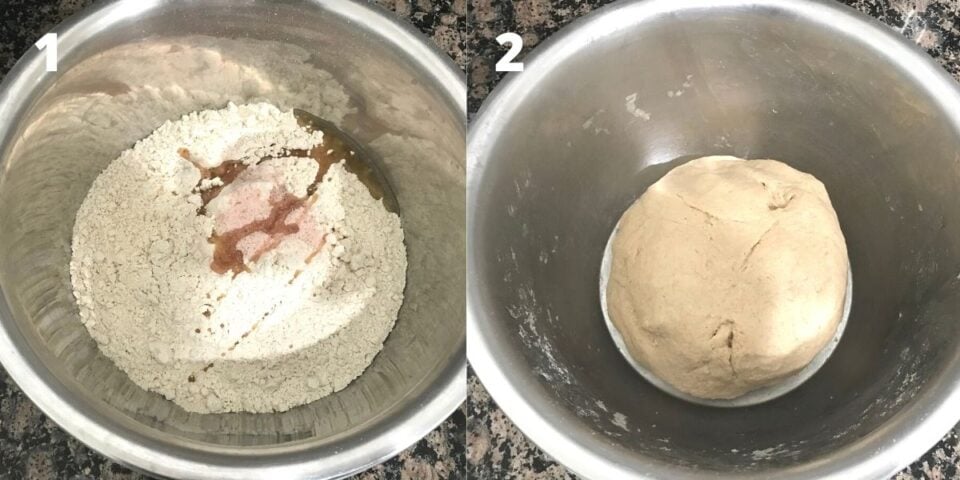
column 506, row 64
column 49, row 43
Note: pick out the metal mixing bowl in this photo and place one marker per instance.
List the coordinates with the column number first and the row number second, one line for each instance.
column 560, row 150
column 124, row 69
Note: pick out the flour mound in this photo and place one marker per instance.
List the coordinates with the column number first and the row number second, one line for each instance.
column 309, row 307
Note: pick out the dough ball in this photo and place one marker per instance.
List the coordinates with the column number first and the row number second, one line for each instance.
column 728, row 275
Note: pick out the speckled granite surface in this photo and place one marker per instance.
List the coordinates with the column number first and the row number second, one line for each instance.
column 495, row 447
column 34, row 448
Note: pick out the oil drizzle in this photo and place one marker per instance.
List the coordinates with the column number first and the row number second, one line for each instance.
column 227, row 172
column 227, row 256
column 335, row 147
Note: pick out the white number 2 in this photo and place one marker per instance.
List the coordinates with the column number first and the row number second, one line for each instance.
column 49, row 43
column 506, row 64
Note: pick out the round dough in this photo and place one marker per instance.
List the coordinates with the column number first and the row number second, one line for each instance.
column 728, row 275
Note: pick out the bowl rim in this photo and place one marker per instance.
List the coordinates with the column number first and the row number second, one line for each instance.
column 891, row 447
column 114, row 438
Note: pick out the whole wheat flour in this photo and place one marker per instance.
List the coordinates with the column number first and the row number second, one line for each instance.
column 215, row 267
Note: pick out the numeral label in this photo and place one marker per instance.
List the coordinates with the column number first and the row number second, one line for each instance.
column 506, row 64
column 49, row 44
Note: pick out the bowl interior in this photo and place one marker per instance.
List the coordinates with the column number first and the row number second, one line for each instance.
column 142, row 68
column 595, row 123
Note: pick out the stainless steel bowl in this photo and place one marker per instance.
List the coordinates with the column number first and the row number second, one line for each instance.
column 560, row 150
column 125, row 68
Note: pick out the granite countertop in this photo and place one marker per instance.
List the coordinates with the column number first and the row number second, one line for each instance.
column 495, row 447
column 34, row 448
